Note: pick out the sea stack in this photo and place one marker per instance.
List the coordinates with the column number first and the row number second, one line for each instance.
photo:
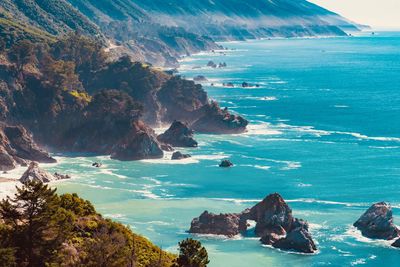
column 377, row 222
column 179, row 135
column 275, row 225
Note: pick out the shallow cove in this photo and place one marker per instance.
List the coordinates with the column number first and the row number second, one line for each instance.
column 324, row 133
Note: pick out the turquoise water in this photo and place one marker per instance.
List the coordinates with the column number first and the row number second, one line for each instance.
column 324, row 133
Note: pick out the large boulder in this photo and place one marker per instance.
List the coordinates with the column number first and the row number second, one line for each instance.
column 275, row 225
column 34, row 173
column 17, row 147
column 299, row 239
column 219, row 121
column 377, row 222
column 178, row 135
column 178, row 156
column 396, row 243
column 216, row 224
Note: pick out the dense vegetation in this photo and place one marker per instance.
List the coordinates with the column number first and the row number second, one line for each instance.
column 40, row 228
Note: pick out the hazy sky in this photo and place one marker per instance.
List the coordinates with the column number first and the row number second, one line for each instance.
column 375, row 13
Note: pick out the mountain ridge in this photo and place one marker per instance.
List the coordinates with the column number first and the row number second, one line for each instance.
column 160, row 32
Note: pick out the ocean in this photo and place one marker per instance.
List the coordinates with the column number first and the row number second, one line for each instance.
column 324, row 132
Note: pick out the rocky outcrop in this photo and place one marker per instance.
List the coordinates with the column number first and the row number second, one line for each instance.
column 377, row 222
column 226, row 163
column 34, row 173
column 396, row 243
column 200, row 78
column 299, row 239
column 219, row 121
column 275, row 225
column 178, row 156
column 37, row 174
column 178, row 135
column 140, row 144
column 216, row 224
column 17, row 148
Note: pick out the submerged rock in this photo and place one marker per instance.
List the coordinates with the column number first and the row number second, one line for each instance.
column 200, row 78
column 226, row 163
column 216, row 224
column 178, row 155
column 60, row 176
column 34, row 173
column 179, row 135
column 377, row 222
column 275, row 225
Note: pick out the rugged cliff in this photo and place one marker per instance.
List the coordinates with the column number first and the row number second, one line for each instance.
column 161, row 31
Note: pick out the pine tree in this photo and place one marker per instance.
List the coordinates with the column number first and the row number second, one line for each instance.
column 39, row 225
column 191, row 254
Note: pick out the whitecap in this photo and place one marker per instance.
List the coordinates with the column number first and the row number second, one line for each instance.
column 304, row 185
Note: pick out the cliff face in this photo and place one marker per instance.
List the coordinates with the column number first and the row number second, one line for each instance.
column 74, row 99
column 161, row 31
column 243, row 19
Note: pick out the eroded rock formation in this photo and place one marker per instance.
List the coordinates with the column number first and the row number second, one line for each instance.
column 275, row 225
column 377, row 222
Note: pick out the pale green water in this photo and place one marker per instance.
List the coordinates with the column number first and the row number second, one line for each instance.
column 325, row 133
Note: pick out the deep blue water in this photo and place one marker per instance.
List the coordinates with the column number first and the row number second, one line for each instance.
column 324, row 133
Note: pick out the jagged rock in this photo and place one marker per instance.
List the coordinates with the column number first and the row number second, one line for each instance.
column 299, row 239
column 226, row 163
column 228, row 85
column 179, row 135
column 166, row 147
column 216, row 224
column 140, row 144
column 34, row 173
column 96, row 164
column 200, row 78
column 218, row 121
column 178, row 155
column 275, row 225
column 60, row 176
column 222, row 65
column 211, row 64
column 377, row 222
column 17, row 147
column 396, row 243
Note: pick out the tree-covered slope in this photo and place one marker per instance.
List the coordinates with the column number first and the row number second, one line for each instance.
column 239, row 19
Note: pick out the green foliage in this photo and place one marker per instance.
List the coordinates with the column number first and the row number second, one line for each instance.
column 191, row 254
column 87, row 54
column 22, row 53
column 40, row 228
column 7, row 257
column 77, row 205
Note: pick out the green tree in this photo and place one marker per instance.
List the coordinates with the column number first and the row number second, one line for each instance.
column 60, row 74
column 2, row 46
column 37, row 226
column 22, row 54
column 191, row 254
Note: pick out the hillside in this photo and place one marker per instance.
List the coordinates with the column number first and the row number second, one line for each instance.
column 161, row 31
column 243, row 19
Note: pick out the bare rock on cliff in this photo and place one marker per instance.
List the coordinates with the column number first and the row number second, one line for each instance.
column 377, row 222
column 178, row 135
column 17, row 147
column 219, row 121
